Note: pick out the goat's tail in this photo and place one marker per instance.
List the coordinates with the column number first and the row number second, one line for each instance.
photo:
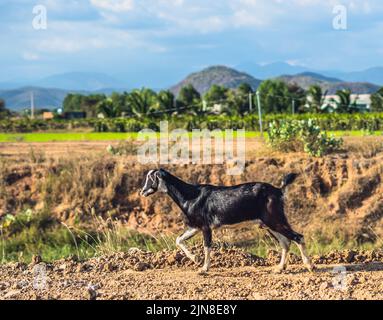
column 287, row 180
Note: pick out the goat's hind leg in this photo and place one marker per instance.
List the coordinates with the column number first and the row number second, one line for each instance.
column 300, row 241
column 306, row 259
column 285, row 245
column 180, row 243
column 207, row 240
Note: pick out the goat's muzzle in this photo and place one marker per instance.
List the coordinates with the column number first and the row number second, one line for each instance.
column 147, row 193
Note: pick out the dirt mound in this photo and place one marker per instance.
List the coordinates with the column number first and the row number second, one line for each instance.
column 342, row 193
column 139, row 260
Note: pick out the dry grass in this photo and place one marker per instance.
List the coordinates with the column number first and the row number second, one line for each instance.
column 96, row 195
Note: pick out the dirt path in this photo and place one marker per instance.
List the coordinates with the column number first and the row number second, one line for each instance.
column 128, row 276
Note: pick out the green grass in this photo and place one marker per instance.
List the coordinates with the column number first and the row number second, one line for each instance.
column 40, row 234
column 116, row 136
column 76, row 136
column 31, row 234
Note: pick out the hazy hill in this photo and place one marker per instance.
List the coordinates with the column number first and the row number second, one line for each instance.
column 355, row 87
column 19, row 99
column 372, row 75
column 332, row 85
column 87, row 81
column 307, row 79
column 219, row 75
column 271, row 70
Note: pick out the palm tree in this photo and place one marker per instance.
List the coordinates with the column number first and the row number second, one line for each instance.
column 4, row 112
column 109, row 109
column 344, row 104
column 142, row 102
column 377, row 101
column 315, row 98
column 165, row 100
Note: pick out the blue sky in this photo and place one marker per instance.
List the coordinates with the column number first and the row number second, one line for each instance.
column 170, row 38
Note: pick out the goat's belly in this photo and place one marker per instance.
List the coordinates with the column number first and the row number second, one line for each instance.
column 234, row 218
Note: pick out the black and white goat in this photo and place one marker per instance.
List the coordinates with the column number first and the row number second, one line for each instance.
column 206, row 207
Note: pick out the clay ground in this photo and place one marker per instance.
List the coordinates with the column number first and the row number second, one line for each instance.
column 121, row 277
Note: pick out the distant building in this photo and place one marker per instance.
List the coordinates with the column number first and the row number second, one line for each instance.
column 74, row 115
column 362, row 102
column 48, row 115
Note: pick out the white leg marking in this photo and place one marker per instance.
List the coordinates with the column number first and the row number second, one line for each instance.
column 305, row 257
column 206, row 265
column 285, row 244
column 180, row 243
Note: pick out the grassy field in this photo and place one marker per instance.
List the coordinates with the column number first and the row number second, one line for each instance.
column 116, row 136
column 38, row 233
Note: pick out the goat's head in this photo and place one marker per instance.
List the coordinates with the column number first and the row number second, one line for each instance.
column 154, row 182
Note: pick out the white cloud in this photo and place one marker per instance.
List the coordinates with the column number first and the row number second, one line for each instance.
column 30, row 56
column 114, row 5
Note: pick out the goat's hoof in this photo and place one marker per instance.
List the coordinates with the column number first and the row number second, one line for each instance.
column 311, row 267
column 196, row 260
column 203, row 272
column 279, row 269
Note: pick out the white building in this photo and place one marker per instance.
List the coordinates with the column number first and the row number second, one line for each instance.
column 362, row 101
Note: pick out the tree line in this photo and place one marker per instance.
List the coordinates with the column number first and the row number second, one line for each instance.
column 4, row 112
column 275, row 97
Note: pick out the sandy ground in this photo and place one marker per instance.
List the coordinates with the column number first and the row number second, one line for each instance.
column 129, row 277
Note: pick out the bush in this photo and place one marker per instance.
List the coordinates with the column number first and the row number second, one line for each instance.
column 301, row 135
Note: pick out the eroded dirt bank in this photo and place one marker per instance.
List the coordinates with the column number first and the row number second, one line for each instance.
column 169, row 275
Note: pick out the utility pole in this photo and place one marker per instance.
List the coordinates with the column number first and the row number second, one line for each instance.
column 260, row 112
column 32, row 105
column 250, row 102
column 293, row 106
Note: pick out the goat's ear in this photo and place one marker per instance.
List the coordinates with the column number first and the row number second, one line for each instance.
column 161, row 173
column 158, row 174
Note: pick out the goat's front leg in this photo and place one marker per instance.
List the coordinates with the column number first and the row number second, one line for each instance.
column 180, row 243
column 207, row 239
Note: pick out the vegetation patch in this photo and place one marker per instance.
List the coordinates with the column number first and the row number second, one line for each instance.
column 302, row 136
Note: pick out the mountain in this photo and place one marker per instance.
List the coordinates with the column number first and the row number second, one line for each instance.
column 272, row 70
column 87, row 81
column 332, row 85
column 355, row 87
column 307, row 79
column 372, row 75
column 219, row 75
column 19, row 99
column 44, row 98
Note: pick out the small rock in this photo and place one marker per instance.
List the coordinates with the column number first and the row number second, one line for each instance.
column 11, row 294
column 62, row 267
column 324, row 286
column 21, row 284
column 134, row 250
column 36, row 259
column 3, row 286
column 92, row 290
column 141, row 266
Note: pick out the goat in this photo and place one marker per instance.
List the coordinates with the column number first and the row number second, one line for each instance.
column 206, row 207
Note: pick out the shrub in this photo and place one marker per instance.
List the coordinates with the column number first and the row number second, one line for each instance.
column 301, row 135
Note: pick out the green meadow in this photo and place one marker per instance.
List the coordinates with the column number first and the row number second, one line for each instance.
column 117, row 136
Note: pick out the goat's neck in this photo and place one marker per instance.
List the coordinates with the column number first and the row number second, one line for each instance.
column 180, row 191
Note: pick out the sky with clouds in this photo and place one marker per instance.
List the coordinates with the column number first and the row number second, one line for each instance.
column 170, row 38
